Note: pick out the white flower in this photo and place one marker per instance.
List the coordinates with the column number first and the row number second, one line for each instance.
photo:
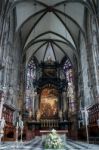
column 53, row 141
column 53, row 131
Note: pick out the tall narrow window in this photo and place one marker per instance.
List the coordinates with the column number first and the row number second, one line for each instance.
column 30, row 78
column 68, row 69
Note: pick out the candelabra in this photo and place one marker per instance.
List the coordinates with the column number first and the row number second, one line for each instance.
column 19, row 125
column 17, row 134
column 85, row 111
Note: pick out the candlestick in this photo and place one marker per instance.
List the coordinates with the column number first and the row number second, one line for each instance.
column 22, row 123
column 17, row 124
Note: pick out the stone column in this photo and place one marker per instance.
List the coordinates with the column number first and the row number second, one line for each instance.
column 64, row 105
column 95, row 54
column 1, row 107
column 84, row 70
column 64, row 100
column 37, row 104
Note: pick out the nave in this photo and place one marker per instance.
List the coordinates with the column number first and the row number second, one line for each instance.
column 36, row 144
column 49, row 72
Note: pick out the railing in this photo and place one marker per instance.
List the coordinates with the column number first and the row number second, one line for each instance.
column 94, row 140
column 49, row 123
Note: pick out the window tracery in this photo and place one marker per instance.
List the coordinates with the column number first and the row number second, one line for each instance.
column 68, row 70
column 30, row 77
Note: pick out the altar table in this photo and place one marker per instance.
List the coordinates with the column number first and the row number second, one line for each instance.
column 57, row 131
column 62, row 133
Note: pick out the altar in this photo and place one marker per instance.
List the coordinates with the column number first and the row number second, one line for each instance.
column 61, row 133
column 57, row 131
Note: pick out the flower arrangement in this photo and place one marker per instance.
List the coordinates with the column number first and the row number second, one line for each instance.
column 53, row 141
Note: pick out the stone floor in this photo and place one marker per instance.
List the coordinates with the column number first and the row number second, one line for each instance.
column 36, row 144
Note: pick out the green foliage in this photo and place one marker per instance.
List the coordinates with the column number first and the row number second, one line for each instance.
column 53, row 141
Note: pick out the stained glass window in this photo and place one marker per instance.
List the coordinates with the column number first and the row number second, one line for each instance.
column 68, row 69
column 30, row 77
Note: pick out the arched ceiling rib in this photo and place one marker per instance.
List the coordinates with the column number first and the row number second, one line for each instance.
column 72, row 34
column 30, row 25
column 63, row 21
column 85, row 3
column 57, row 13
column 56, row 3
column 34, row 48
column 44, row 24
column 32, row 42
column 51, row 35
column 55, row 23
column 66, row 16
column 58, row 48
column 45, row 51
column 75, row 14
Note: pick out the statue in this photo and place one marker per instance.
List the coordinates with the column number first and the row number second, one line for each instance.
column 2, row 123
column 20, row 122
column 30, row 113
column 38, row 115
column 49, row 60
column 60, row 115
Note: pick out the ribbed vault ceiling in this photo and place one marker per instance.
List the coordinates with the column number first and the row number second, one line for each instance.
column 50, row 27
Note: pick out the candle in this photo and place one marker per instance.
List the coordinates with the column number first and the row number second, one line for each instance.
column 17, row 124
column 22, row 123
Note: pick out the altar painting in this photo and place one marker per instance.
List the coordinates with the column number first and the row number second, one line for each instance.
column 49, row 103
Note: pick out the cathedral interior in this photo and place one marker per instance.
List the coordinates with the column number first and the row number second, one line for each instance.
column 49, row 68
